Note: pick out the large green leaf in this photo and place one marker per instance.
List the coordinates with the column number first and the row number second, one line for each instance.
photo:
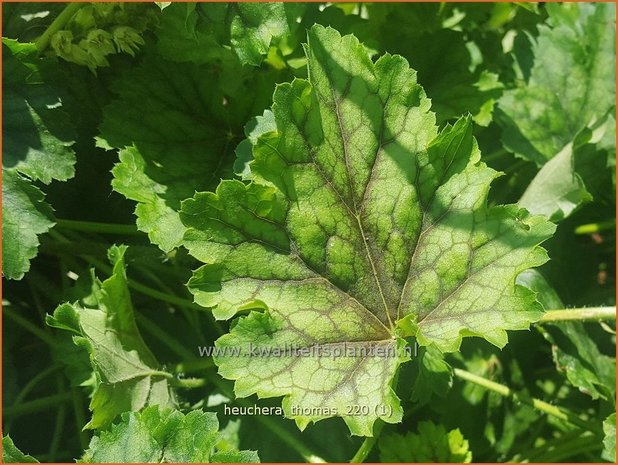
column 432, row 443
column 128, row 376
column 367, row 226
column 572, row 83
column 163, row 435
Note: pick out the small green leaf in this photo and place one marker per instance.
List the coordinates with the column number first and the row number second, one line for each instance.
column 572, row 83
column 163, row 435
column 25, row 215
column 574, row 350
column 577, row 355
column 11, row 454
column 362, row 221
column 253, row 130
column 434, row 375
column 609, row 441
column 253, row 27
column 557, row 190
column 128, row 376
column 432, row 443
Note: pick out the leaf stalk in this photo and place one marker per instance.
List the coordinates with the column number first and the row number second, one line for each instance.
column 57, row 24
column 538, row 404
column 579, row 314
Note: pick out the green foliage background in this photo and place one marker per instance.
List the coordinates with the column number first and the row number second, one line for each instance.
column 116, row 114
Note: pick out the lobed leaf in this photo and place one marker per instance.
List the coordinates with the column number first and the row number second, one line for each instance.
column 571, row 86
column 432, row 443
column 363, row 226
column 163, row 435
column 128, row 377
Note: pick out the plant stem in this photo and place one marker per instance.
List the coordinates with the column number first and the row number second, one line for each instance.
column 496, row 154
column 367, row 445
column 34, row 381
column 59, row 423
column 195, row 365
column 579, row 314
column 538, row 404
column 23, row 322
column 37, row 405
column 65, row 15
column 188, row 383
column 596, row 227
column 163, row 336
column 80, row 418
column 103, row 228
column 150, row 292
column 573, row 447
column 30, row 385
column 155, row 294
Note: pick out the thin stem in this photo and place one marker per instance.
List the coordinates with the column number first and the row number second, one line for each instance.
column 150, row 292
column 368, row 444
column 194, row 366
column 538, row 404
column 65, row 15
column 572, row 448
column 59, row 423
column 496, row 154
column 80, row 418
column 281, row 432
column 24, row 323
column 102, row 228
column 163, row 337
column 155, row 294
column 579, row 314
column 188, row 383
column 548, row 446
column 530, row 455
column 515, row 166
column 37, row 405
column 591, row 228
column 30, row 385
column 191, row 316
